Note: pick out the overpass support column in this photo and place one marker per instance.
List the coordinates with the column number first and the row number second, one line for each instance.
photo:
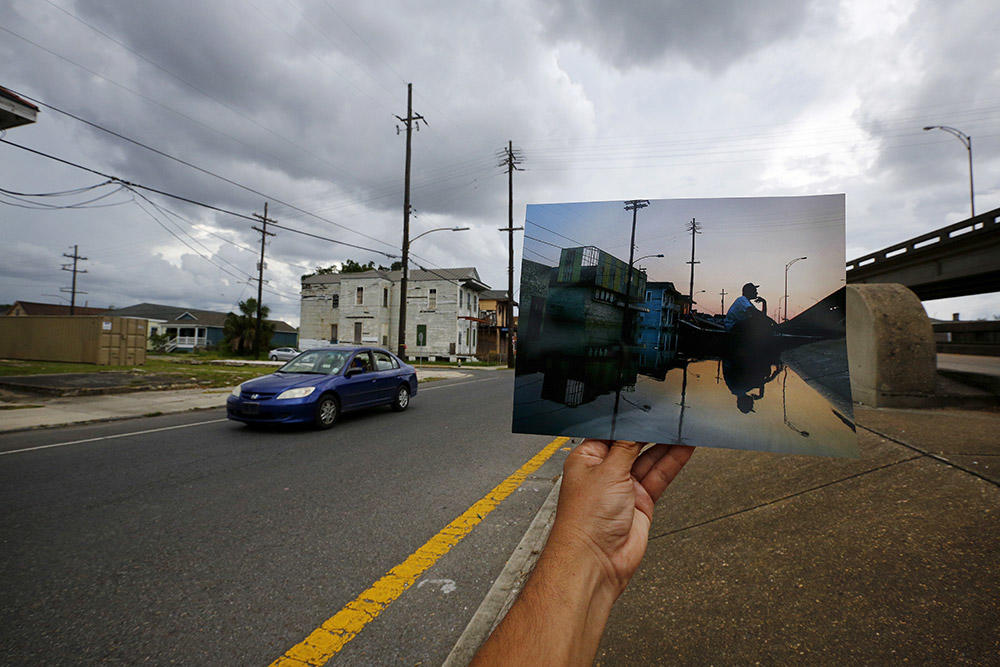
column 890, row 346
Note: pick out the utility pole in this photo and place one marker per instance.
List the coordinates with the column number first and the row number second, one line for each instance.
column 510, row 160
column 72, row 290
column 409, row 121
column 631, row 205
column 723, row 293
column 260, row 275
column 694, row 228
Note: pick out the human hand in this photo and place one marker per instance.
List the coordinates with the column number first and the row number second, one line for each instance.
column 606, row 502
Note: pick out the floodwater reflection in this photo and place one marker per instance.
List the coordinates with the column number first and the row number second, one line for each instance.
column 738, row 402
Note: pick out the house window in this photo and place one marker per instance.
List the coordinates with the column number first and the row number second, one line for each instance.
column 421, row 335
column 359, row 297
column 385, row 297
column 459, row 337
column 335, row 301
column 432, row 299
column 473, row 338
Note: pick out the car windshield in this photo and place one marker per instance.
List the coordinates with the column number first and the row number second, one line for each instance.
column 325, row 362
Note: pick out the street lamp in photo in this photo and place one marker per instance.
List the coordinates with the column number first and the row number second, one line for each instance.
column 639, row 259
column 967, row 142
column 786, row 284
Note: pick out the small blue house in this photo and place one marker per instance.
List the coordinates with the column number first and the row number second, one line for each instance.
column 189, row 328
column 658, row 325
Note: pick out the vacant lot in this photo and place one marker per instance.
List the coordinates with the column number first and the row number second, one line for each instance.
column 206, row 374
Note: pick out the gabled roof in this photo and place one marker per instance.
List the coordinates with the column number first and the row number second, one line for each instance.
column 35, row 308
column 495, row 295
column 174, row 315
column 461, row 274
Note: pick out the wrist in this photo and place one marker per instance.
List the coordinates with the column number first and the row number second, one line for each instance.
column 575, row 554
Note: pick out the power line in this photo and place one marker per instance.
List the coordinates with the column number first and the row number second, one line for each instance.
column 188, row 200
column 551, row 231
column 58, row 193
column 82, row 204
column 160, row 104
column 545, row 242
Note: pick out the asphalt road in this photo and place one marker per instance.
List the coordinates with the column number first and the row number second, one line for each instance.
column 196, row 540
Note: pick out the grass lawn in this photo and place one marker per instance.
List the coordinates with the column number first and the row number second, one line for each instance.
column 215, row 376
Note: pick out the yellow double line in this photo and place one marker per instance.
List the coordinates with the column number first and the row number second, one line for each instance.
column 326, row 640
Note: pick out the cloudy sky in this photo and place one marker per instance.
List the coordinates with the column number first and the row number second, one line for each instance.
column 745, row 239
column 294, row 102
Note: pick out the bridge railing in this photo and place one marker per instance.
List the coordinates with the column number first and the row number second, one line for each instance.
column 951, row 234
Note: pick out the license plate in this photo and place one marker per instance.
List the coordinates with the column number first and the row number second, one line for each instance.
column 250, row 408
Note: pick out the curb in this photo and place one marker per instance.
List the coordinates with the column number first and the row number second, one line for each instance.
column 69, row 392
column 507, row 586
column 101, row 420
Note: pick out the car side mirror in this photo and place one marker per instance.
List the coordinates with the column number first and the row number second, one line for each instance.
column 351, row 372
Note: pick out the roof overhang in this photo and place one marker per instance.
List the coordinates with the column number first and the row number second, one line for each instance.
column 15, row 111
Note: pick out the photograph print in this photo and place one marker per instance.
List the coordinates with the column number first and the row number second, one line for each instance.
column 707, row 322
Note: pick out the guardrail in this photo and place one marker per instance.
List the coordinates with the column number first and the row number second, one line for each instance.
column 955, row 233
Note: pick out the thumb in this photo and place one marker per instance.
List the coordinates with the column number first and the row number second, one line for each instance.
column 622, row 454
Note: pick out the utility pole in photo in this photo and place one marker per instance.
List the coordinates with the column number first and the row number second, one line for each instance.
column 631, row 205
column 723, row 293
column 510, row 160
column 72, row 290
column 260, row 276
column 409, row 122
column 694, row 228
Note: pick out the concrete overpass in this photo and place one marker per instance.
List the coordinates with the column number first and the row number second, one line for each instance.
column 955, row 260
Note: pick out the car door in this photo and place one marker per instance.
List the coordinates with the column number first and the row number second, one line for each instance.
column 387, row 370
column 360, row 389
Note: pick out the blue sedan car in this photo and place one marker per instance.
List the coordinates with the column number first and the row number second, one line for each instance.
column 319, row 384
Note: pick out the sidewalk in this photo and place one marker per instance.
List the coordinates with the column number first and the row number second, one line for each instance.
column 778, row 559
column 35, row 411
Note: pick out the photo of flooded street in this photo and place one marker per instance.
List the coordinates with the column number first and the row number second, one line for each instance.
column 612, row 349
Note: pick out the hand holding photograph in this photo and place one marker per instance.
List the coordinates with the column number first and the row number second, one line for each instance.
column 709, row 322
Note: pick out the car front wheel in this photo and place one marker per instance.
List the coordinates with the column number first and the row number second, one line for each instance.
column 402, row 398
column 327, row 411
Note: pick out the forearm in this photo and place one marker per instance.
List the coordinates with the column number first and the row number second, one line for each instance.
column 560, row 614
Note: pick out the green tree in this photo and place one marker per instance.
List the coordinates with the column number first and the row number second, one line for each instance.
column 350, row 266
column 239, row 330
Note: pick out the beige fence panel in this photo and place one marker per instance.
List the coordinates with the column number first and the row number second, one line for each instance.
column 101, row 340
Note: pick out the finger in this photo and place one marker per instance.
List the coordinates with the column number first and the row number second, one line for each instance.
column 588, row 453
column 622, row 454
column 663, row 471
column 647, row 459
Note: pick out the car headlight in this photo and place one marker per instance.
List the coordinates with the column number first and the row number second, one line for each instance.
column 236, row 391
column 298, row 392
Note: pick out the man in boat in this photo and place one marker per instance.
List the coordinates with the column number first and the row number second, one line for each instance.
column 745, row 321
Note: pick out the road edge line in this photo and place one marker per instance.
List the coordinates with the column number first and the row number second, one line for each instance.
column 507, row 585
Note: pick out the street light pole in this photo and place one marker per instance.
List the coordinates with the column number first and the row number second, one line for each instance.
column 438, row 229
column 967, row 142
column 786, row 285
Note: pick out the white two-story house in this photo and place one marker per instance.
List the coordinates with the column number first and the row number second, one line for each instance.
column 442, row 310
